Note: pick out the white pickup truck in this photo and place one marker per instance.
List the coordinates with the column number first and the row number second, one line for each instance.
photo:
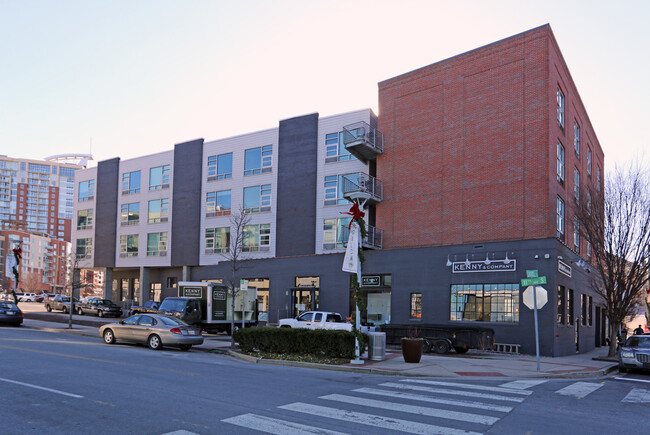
column 317, row 320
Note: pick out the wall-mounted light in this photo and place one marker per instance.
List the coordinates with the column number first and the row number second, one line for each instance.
column 559, row 257
column 487, row 259
column 467, row 263
column 547, row 256
column 536, row 257
column 507, row 260
column 448, row 261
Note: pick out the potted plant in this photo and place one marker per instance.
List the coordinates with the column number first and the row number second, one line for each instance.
column 412, row 346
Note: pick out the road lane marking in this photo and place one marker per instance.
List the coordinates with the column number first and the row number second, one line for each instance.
column 451, row 392
column 523, row 384
column 470, row 386
column 76, row 396
column 85, row 358
column 579, row 389
column 411, row 409
column 374, row 420
column 275, row 426
column 637, row 395
column 421, row 398
column 620, row 378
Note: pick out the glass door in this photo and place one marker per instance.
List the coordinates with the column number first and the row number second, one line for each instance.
column 304, row 299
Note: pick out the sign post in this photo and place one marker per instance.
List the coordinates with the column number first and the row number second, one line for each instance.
column 243, row 286
column 535, row 297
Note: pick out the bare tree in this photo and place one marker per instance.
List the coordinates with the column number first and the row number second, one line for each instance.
column 31, row 282
column 235, row 254
column 616, row 225
column 74, row 282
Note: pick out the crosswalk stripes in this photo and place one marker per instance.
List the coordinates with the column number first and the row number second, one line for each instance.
column 470, row 386
column 275, row 426
column 453, row 392
column 523, row 384
column 637, row 395
column 579, row 389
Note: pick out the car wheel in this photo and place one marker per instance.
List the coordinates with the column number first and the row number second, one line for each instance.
column 100, row 313
column 185, row 346
column 154, row 342
column 109, row 337
column 441, row 347
column 426, row 347
column 48, row 308
column 80, row 311
column 65, row 310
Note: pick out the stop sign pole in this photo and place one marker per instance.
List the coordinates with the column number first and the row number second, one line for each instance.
column 531, row 282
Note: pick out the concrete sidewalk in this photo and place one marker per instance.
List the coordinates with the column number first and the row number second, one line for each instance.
column 472, row 364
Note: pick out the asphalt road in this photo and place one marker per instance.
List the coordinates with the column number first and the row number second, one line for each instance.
column 55, row 383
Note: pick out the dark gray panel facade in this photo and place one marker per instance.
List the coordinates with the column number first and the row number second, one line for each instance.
column 296, row 192
column 186, row 203
column 106, row 185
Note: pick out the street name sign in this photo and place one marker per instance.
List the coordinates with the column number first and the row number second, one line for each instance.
column 526, row 282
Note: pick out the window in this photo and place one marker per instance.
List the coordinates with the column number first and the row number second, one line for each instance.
column 129, row 245
column 589, row 202
column 156, row 244
column 576, row 235
column 560, row 108
column 172, row 282
column 590, row 310
column 588, row 248
column 159, row 177
column 258, row 160
column 561, row 295
column 335, row 150
column 217, row 240
column 84, row 219
column 485, row 302
column 589, row 161
column 576, row 138
column 416, row 306
column 334, row 188
column 130, row 214
column 86, row 190
column 217, row 203
column 257, row 198
column 256, row 238
column 583, row 306
column 569, row 308
column 560, row 219
column 560, row 163
column 130, row 182
column 158, row 210
column 335, row 233
column 598, row 178
column 576, row 184
column 84, row 248
column 220, row 167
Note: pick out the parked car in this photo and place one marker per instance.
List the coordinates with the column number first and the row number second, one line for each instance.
column 317, row 320
column 148, row 307
column 48, row 296
column 634, row 353
column 60, row 303
column 99, row 307
column 26, row 297
column 10, row 313
column 39, row 298
column 154, row 330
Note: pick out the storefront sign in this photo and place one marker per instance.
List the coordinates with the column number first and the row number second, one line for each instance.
column 370, row 281
column 193, row 292
column 481, row 266
column 219, row 298
column 564, row 268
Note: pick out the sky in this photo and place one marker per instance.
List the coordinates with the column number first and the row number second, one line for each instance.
column 127, row 78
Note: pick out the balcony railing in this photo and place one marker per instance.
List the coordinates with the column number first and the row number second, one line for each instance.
column 373, row 239
column 363, row 141
column 360, row 186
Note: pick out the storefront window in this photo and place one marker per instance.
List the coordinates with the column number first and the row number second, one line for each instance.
column 262, row 286
column 416, row 306
column 485, row 302
column 376, row 296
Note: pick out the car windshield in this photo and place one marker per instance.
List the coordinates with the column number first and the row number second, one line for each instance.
column 638, row 341
column 8, row 305
column 172, row 321
column 173, row 305
column 106, row 302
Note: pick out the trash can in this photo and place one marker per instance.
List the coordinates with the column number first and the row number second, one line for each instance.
column 377, row 346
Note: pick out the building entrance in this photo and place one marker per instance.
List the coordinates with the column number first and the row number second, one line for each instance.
column 304, row 299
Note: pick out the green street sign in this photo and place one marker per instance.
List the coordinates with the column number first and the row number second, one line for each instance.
column 532, row 274
column 533, row 281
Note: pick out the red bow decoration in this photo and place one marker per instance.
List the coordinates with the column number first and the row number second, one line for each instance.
column 355, row 213
column 18, row 253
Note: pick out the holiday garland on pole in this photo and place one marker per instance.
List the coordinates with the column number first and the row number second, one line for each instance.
column 357, row 217
column 18, row 255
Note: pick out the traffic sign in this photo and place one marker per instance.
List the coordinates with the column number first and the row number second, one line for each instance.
column 541, row 296
column 243, row 285
column 532, row 273
column 526, row 282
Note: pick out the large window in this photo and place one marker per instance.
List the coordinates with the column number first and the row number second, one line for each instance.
column 258, row 160
column 85, row 219
column 256, row 238
column 335, row 233
column 485, row 302
column 588, row 161
column 334, row 188
column 560, row 108
column 257, row 198
column 157, row 244
column 86, row 190
column 576, row 235
column 583, row 307
column 217, row 240
column 220, row 167
column 569, row 307
column 560, row 163
column 158, row 210
column 84, row 248
column 598, row 178
column 159, row 177
column 217, row 203
column 561, row 296
column 130, row 182
column 335, row 150
column 129, row 245
column 576, row 184
column 576, row 138
column 130, row 214
column 416, row 306
column 560, row 219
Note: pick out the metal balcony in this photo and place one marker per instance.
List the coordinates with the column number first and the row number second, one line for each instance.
column 363, row 188
column 373, row 239
column 363, row 141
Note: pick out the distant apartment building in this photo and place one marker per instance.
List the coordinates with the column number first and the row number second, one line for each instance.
column 468, row 178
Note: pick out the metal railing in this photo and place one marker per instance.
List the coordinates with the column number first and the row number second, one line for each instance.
column 362, row 131
column 374, row 237
column 363, row 183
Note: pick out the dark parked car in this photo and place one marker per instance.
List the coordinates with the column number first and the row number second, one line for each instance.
column 99, row 307
column 155, row 330
column 59, row 302
column 10, row 313
column 148, row 307
column 634, row 353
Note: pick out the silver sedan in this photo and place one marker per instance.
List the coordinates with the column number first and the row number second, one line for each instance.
column 155, row 330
